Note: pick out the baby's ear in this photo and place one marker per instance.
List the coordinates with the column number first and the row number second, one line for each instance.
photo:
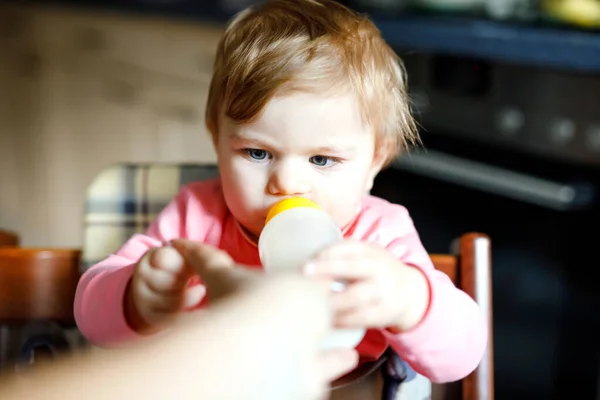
column 211, row 126
column 374, row 170
column 381, row 159
column 384, row 155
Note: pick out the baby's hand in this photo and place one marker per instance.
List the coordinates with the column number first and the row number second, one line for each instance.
column 159, row 290
column 381, row 291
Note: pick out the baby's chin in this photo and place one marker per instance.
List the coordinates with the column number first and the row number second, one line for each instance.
column 251, row 233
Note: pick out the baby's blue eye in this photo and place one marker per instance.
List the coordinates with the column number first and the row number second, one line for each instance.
column 320, row 161
column 257, row 154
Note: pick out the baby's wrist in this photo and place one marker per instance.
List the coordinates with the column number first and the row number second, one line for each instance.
column 132, row 316
column 414, row 287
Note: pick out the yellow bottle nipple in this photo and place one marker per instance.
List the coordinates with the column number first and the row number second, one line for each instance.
column 286, row 204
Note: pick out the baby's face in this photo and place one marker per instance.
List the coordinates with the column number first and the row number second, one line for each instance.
column 302, row 145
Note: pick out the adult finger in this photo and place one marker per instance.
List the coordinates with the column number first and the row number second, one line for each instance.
column 337, row 363
column 202, row 258
column 339, row 269
column 355, row 295
column 216, row 269
column 294, row 305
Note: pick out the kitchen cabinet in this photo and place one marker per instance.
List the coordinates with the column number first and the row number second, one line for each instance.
column 83, row 91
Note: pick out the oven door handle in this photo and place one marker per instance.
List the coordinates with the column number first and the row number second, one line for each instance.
column 491, row 179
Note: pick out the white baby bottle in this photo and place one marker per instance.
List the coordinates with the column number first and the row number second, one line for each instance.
column 295, row 230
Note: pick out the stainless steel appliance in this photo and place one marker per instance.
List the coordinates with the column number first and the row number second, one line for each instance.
column 514, row 152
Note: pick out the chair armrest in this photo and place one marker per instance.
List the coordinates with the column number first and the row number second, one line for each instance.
column 38, row 283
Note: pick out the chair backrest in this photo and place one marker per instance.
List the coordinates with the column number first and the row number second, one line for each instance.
column 470, row 270
column 125, row 198
column 38, row 284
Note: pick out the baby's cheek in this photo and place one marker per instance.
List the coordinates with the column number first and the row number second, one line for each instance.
column 344, row 215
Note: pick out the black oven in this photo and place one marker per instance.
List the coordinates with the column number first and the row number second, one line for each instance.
column 514, row 152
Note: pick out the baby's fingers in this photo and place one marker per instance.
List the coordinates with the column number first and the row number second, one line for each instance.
column 165, row 282
column 193, row 296
column 360, row 318
column 168, row 259
column 172, row 303
column 164, row 271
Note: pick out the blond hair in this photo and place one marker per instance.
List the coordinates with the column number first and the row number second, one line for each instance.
column 310, row 45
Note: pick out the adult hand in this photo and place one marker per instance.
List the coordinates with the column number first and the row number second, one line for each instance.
column 272, row 328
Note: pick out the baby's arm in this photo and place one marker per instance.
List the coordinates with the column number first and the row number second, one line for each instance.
column 99, row 300
column 449, row 342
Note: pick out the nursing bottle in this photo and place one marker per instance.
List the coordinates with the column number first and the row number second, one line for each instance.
column 296, row 229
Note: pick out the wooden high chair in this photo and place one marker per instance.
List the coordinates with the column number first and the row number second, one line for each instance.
column 471, row 270
column 469, row 267
column 37, row 289
column 124, row 199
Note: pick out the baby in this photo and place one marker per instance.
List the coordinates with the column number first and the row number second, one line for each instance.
column 306, row 100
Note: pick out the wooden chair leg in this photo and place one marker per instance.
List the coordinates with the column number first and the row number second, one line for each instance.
column 475, row 279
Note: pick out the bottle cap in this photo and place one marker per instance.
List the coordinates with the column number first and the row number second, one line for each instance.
column 286, row 204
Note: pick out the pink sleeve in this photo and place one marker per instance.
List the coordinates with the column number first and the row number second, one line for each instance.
column 449, row 342
column 98, row 308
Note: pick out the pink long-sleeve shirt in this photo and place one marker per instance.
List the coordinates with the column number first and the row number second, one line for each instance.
column 445, row 346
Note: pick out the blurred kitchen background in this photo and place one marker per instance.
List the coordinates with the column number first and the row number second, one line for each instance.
column 507, row 93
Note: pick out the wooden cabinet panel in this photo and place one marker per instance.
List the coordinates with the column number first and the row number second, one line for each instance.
column 177, row 123
column 175, row 48
column 88, row 91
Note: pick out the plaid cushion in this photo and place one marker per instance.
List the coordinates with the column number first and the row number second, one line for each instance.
column 125, row 199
